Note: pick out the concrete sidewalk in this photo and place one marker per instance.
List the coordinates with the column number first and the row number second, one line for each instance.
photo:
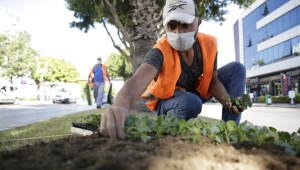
column 285, row 105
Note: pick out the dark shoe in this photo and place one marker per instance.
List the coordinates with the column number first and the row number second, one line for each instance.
column 98, row 107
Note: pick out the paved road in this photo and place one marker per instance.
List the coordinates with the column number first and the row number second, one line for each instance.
column 30, row 112
column 283, row 119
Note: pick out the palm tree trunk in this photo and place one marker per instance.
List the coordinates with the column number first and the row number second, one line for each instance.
column 142, row 46
column 41, row 90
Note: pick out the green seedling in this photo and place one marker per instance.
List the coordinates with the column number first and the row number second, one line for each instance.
column 93, row 119
column 227, row 129
column 244, row 101
column 260, row 136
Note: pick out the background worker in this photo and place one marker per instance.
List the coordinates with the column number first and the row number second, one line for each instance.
column 97, row 77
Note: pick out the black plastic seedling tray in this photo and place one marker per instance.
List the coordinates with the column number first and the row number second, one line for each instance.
column 86, row 127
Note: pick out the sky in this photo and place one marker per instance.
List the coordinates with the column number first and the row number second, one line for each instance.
column 48, row 23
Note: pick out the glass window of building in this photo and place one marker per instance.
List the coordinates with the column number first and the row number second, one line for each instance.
column 274, row 28
column 270, row 56
column 280, row 25
column 280, row 49
column 269, row 30
column 287, row 49
column 286, row 21
column 293, row 18
column 265, row 10
column 294, row 44
column 275, row 52
column 298, row 12
column 297, row 47
column 265, row 56
column 263, row 33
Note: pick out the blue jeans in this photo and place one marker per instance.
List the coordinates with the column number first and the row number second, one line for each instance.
column 98, row 92
column 186, row 105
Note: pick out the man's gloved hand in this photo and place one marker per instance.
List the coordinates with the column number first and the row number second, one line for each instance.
column 232, row 108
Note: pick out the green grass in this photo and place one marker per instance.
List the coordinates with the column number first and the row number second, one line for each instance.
column 42, row 131
column 51, row 129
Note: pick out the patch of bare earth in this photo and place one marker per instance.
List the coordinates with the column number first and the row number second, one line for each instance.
column 169, row 153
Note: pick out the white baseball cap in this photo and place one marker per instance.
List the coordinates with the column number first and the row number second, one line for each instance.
column 99, row 58
column 179, row 10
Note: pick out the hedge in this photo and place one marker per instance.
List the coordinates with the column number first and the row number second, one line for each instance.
column 280, row 99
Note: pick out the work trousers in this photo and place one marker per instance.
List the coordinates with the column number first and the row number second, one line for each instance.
column 186, row 105
column 98, row 92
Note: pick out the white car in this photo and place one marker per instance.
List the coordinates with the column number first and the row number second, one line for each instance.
column 9, row 94
column 63, row 96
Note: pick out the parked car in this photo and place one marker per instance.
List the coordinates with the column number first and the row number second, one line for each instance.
column 66, row 93
column 214, row 100
column 9, row 94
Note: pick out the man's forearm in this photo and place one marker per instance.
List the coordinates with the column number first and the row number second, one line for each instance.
column 128, row 94
column 217, row 90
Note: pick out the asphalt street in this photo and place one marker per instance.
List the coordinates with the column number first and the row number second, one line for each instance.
column 30, row 112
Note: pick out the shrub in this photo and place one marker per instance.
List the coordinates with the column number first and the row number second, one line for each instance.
column 297, row 98
column 261, row 99
column 29, row 99
column 281, row 99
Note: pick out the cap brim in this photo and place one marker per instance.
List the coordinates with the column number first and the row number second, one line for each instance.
column 187, row 18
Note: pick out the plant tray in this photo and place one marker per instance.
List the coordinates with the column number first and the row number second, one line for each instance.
column 84, row 129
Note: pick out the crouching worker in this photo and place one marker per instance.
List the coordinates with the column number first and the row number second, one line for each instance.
column 179, row 74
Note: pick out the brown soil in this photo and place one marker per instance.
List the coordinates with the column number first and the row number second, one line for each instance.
column 169, row 153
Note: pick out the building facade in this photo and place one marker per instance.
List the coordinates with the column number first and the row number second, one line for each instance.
column 267, row 42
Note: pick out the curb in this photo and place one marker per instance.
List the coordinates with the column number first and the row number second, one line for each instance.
column 296, row 106
column 282, row 105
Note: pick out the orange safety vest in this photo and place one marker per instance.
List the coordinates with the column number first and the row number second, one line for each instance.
column 165, row 85
column 104, row 73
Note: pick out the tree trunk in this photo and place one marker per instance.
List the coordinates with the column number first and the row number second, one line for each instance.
column 41, row 90
column 141, row 48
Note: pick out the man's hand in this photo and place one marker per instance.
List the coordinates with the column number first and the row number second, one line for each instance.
column 112, row 122
column 233, row 109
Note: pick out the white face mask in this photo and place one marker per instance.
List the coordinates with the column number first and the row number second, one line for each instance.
column 182, row 41
column 99, row 61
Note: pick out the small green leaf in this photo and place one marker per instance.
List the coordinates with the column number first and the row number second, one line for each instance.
column 269, row 140
column 264, row 129
column 215, row 129
column 284, row 136
column 234, row 138
column 218, row 139
column 182, row 123
column 273, row 129
column 145, row 138
column 231, row 125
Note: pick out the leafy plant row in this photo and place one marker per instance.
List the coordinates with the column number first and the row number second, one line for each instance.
column 146, row 128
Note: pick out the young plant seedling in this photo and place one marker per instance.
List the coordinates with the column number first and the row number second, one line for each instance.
column 244, row 101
